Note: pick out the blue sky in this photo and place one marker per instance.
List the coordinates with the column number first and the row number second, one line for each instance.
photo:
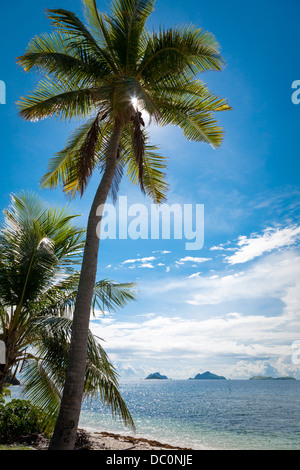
column 233, row 306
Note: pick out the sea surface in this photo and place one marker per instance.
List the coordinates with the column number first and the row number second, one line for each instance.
column 208, row 414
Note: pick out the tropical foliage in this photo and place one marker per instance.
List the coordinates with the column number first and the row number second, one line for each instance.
column 40, row 248
column 20, row 418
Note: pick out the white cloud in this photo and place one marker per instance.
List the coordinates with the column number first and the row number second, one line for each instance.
column 272, row 277
column 192, row 276
column 170, row 341
column 275, row 277
column 221, row 247
column 192, row 259
column 147, row 315
column 139, row 260
column 256, row 245
column 238, row 344
column 146, row 265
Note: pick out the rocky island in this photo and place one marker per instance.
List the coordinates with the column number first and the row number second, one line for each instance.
column 208, row 376
column 264, row 377
column 157, row 375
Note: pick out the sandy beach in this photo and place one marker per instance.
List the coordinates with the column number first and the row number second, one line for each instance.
column 110, row 441
column 96, row 440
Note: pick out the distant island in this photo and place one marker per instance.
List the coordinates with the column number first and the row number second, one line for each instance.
column 208, row 376
column 156, row 375
column 264, row 377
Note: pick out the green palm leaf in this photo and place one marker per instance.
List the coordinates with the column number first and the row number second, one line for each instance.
column 51, row 53
column 40, row 249
column 44, row 378
column 52, row 99
column 68, row 23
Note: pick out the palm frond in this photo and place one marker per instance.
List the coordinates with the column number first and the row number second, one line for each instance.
column 96, row 24
column 110, row 295
column 138, row 144
column 87, row 155
column 72, row 166
column 36, row 243
column 57, row 99
column 59, row 299
column 100, row 378
column 127, row 19
column 69, row 23
column 194, row 113
column 179, row 50
column 154, row 168
column 52, row 54
column 40, row 388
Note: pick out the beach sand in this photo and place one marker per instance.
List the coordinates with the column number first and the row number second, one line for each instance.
column 96, row 440
column 110, row 441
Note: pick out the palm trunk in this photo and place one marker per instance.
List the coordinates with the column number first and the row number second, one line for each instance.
column 3, row 374
column 66, row 426
column 7, row 367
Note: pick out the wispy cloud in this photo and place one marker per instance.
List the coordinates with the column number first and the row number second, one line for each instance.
column 256, row 245
column 221, row 247
column 146, row 265
column 272, row 278
column 139, row 260
column 238, row 325
column 192, row 259
column 193, row 276
column 190, row 342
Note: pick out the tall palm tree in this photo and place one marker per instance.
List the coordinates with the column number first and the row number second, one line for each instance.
column 109, row 70
column 40, row 248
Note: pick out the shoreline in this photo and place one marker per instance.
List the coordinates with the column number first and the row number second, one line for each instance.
column 95, row 440
column 103, row 440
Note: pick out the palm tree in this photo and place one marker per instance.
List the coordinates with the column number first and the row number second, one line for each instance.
column 40, row 248
column 108, row 71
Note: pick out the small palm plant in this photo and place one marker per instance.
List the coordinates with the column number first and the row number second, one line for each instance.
column 40, row 249
column 108, row 71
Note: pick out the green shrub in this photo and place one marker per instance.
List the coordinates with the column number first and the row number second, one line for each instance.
column 6, row 392
column 19, row 418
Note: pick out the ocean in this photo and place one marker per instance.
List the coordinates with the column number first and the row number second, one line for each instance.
column 208, row 414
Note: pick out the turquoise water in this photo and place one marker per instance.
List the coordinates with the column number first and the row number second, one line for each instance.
column 208, row 414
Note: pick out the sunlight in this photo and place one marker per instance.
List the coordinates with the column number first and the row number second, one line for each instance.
column 134, row 101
